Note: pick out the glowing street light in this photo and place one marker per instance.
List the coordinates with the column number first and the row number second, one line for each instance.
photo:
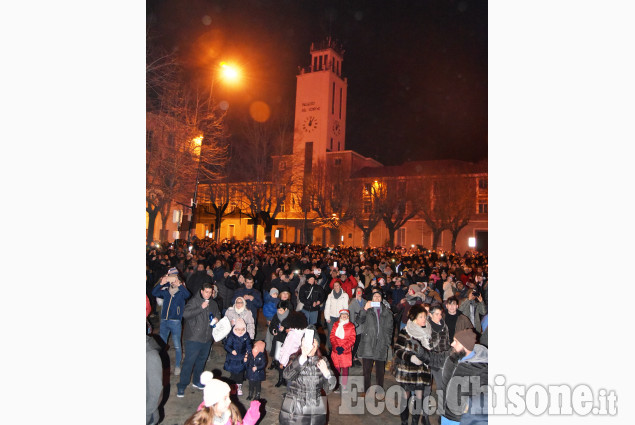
column 229, row 73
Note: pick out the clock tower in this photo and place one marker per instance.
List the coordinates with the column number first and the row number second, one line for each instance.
column 320, row 107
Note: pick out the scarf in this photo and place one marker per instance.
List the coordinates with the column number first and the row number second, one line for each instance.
column 173, row 290
column 435, row 327
column 339, row 332
column 423, row 334
column 223, row 419
column 336, row 295
column 240, row 310
column 412, row 299
column 282, row 316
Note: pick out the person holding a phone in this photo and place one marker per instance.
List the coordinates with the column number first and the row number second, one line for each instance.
column 376, row 320
column 307, row 374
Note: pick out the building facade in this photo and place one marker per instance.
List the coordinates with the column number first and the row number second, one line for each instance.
column 335, row 192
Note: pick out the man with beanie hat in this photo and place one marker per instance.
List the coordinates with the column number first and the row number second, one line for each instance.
column 174, row 293
column 465, row 380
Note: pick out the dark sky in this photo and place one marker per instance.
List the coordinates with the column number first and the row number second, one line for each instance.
column 417, row 70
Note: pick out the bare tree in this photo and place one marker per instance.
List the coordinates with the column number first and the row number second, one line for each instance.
column 262, row 191
column 459, row 195
column 364, row 208
column 396, row 203
column 183, row 138
column 432, row 206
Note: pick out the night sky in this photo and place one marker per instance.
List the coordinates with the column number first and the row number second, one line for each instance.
column 417, row 70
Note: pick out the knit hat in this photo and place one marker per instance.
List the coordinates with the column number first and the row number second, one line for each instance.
column 417, row 291
column 214, row 390
column 173, row 270
column 274, row 291
column 467, row 338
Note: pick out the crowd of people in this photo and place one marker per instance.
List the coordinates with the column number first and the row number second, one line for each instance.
column 417, row 313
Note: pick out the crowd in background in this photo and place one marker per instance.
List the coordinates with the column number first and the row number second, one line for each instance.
column 403, row 311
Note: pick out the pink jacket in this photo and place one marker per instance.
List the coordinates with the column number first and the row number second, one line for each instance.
column 251, row 417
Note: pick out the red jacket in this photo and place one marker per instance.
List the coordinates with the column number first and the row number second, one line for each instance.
column 346, row 358
column 348, row 285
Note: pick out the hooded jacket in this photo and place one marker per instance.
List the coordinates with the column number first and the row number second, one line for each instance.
column 235, row 363
column 456, row 382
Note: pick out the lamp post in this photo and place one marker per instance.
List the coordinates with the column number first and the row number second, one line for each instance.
column 228, row 73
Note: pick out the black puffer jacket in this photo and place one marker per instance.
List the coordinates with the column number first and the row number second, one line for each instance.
column 303, row 404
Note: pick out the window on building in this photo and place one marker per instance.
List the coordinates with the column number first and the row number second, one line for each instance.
column 338, row 161
column 340, row 103
column 333, row 100
column 401, row 236
column 338, row 145
column 282, row 165
column 321, row 58
column 315, row 63
column 331, row 143
column 482, row 183
column 482, row 207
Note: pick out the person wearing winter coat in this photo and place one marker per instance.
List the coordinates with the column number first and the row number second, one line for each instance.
column 455, row 320
column 474, row 308
column 411, row 372
column 336, row 301
column 464, row 377
column 251, row 295
column 196, row 280
column 376, row 338
column 240, row 311
column 237, row 345
column 174, row 293
column 255, row 367
column 342, row 339
column 270, row 304
column 312, row 297
column 307, row 374
column 356, row 308
column 439, row 341
column 217, row 407
column 154, row 381
column 227, row 285
column 348, row 283
column 197, row 335
column 276, row 331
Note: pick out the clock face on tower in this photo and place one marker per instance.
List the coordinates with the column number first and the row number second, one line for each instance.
column 310, row 123
column 337, row 128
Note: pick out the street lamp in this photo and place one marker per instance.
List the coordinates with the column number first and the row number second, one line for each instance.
column 230, row 74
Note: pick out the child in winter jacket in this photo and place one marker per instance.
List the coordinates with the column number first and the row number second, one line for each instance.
column 271, row 304
column 217, row 408
column 256, row 362
column 237, row 344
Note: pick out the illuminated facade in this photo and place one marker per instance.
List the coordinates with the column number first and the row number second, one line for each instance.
column 311, row 208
